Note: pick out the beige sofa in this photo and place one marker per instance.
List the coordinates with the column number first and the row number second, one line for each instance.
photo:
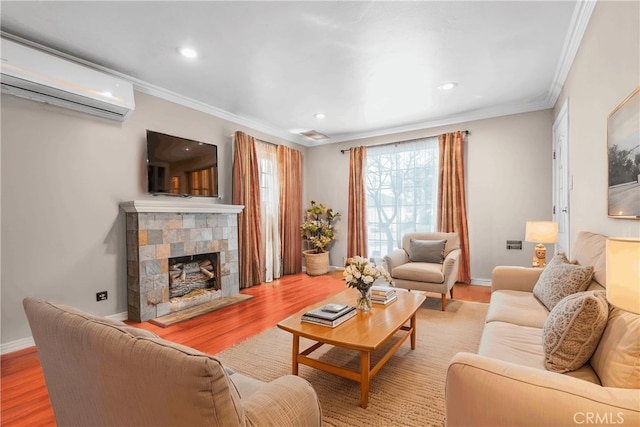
column 507, row 384
column 101, row 372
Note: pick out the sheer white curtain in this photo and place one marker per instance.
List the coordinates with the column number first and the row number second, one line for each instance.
column 270, row 199
column 401, row 192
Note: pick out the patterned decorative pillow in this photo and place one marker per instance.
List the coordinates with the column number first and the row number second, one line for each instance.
column 559, row 258
column 559, row 279
column 427, row 250
column 573, row 329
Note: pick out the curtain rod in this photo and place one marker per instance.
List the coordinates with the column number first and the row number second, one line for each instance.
column 267, row 142
column 233, row 135
column 465, row 132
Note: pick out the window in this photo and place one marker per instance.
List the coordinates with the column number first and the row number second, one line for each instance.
column 201, row 182
column 175, row 185
column 401, row 192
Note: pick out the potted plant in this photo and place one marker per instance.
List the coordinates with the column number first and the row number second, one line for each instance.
column 317, row 231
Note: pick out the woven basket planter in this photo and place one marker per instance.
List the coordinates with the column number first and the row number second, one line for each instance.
column 317, row 264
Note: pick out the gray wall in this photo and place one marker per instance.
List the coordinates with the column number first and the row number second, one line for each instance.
column 508, row 158
column 63, row 177
column 605, row 71
column 508, row 176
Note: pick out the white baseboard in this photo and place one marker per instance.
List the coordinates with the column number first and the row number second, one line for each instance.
column 481, row 282
column 16, row 345
column 22, row 343
column 119, row 316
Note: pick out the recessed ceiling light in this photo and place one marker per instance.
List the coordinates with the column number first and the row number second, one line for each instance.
column 448, row 86
column 319, row 115
column 188, row 52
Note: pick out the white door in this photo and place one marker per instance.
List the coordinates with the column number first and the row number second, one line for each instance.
column 561, row 182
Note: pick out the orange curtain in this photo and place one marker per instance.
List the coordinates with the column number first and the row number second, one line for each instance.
column 246, row 191
column 452, row 210
column 290, row 177
column 357, row 222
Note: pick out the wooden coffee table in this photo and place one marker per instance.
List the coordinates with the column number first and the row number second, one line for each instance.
column 366, row 332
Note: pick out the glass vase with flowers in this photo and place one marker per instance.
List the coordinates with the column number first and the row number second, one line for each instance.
column 359, row 273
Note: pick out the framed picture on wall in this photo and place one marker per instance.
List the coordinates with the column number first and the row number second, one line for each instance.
column 623, row 153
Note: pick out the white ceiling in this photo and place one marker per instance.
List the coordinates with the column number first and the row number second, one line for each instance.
column 373, row 67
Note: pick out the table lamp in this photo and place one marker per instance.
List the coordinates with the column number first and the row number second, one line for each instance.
column 623, row 273
column 540, row 232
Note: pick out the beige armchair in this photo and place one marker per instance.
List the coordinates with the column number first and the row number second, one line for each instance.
column 426, row 262
column 104, row 372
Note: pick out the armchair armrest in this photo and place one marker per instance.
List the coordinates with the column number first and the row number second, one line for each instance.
column 481, row 391
column 285, row 401
column 514, row 278
column 396, row 258
column 451, row 261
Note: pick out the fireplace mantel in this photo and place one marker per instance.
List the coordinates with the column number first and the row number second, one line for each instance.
column 178, row 206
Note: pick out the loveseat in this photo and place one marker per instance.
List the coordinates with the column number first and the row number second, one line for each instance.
column 512, row 380
column 103, row 372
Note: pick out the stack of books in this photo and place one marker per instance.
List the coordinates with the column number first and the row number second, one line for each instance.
column 383, row 294
column 330, row 315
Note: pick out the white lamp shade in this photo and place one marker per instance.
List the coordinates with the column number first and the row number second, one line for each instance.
column 623, row 273
column 541, row 232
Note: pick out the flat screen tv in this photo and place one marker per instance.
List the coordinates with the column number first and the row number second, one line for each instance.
column 181, row 167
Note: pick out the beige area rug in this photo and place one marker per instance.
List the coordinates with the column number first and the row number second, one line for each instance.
column 192, row 312
column 436, row 304
column 407, row 391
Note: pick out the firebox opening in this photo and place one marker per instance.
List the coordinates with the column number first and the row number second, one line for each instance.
column 193, row 275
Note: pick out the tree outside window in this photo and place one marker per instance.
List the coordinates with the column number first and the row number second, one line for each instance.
column 401, row 192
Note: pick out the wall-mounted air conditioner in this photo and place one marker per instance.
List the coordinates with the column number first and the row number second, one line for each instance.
column 41, row 76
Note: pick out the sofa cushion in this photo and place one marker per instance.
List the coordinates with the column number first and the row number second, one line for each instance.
column 617, row 357
column 573, row 329
column 589, row 249
column 419, row 272
column 523, row 346
column 516, row 307
column 559, row 279
column 512, row 343
column 453, row 240
column 427, row 250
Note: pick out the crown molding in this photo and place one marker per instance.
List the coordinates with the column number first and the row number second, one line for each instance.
column 487, row 113
column 149, row 89
column 157, row 91
column 579, row 21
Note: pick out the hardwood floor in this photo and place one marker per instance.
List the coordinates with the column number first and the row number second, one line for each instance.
column 24, row 400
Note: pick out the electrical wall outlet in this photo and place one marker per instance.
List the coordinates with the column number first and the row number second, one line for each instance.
column 101, row 296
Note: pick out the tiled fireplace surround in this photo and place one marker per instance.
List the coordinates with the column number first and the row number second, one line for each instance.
column 161, row 229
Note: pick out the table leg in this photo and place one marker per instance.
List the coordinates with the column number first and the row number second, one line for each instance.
column 413, row 331
column 365, row 377
column 295, row 351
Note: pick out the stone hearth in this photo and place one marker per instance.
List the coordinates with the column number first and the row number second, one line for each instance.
column 161, row 229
